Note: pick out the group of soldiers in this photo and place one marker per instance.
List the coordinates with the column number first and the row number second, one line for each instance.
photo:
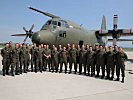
column 91, row 60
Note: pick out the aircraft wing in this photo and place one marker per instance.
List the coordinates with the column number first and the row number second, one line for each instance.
column 45, row 13
column 119, row 32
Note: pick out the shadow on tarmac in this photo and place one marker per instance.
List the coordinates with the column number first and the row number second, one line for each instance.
column 130, row 60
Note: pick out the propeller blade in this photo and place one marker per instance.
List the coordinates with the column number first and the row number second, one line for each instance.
column 31, row 28
column 115, row 22
column 19, row 35
column 114, row 41
column 25, row 29
column 25, row 38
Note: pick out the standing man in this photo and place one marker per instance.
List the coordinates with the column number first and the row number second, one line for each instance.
column 82, row 60
column 90, row 61
column 121, row 57
column 28, row 56
column 63, row 55
column 95, row 52
column 73, row 55
column 23, row 54
column 68, row 56
column 55, row 54
column 15, row 60
column 77, row 58
column 32, row 52
column 110, row 58
column 39, row 56
column 47, row 54
column 6, row 54
column 100, row 61
column 59, row 50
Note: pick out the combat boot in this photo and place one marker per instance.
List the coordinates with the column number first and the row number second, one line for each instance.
column 3, row 74
column 122, row 80
column 118, row 79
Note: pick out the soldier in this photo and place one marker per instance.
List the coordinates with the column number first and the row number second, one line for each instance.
column 32, row 52
column 23, row 54
column 15, row 60
column 68, row 56
column 63, row 55
column 110, row 58
column 28, row 56
column 95, row 52
column 44, row 58
column 115, row 50
column 20, row 57
column 90, row 61
column 39, row 56
column 47, row 54
column 77, row 58
column 100, row 61
column 10, row 47
column 55, row 55
column 121, row 57
column 82, row 61
column 5, row 52
column 52, row 58
column 73, row 54
column 59, row 50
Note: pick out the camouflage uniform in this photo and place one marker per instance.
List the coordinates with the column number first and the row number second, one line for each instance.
column 90, row 62
column 38, row 59
column 68, row 56
column 5, row 52
column 82, row 61
column 120, row 65
column 54, row 58
column 15, row 61
column 23, row 54
column 110, row 58
column 73, row 55
column 32, row 52
column 63, row 55
column 59, row 58
column 100, row 62
column 28, row 58
column 47, row 52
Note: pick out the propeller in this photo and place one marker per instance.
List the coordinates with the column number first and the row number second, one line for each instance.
column 115, row 33
column 29, row 33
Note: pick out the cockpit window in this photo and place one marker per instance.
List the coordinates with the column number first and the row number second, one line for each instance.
column 48, row 23
column 59, row 24
column 64, row 23
column 54, row 22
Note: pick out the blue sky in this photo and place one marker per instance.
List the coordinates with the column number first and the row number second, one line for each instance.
column 15, row 14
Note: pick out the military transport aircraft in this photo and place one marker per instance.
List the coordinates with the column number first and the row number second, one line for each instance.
column 60, row 31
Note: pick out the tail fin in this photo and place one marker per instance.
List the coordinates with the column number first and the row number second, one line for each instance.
column 103, row 26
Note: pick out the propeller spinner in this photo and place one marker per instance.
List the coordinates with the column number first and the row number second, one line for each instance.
column 29, row 33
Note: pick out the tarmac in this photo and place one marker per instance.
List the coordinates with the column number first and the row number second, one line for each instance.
column 61, row 86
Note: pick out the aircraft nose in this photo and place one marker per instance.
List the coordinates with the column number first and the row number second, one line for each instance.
column 36, row 37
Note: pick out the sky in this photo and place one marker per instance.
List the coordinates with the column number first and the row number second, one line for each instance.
column 15, row 14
